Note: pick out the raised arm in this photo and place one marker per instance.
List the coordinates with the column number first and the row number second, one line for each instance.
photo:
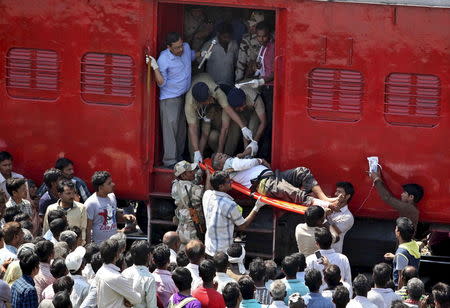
column 386, row 195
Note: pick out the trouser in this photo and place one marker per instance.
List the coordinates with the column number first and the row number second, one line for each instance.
column 251, row 120
column 292, row 185
column 265, row 148
column 173, row 122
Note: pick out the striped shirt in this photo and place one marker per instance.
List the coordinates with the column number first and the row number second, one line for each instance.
column 262, row 295
column 221, row 215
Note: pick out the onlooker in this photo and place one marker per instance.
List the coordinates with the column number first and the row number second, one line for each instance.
column 221, row 263
column 5, row 294
column 415, row 290
column 323, row 239
column 195, row 251
column 58, row 269
column 57, row 226
column 13, row 271
column 304, row 233
column 88, row 272
column 313, row 280
column 52, row 177
column 172, row 240
column 182, row 258
column 17, row 189
column 278, row 293
column 101, row 209
column 52, row 215
column 23, row 292
column 70, row 238
column 78, row 232
column 340, row 218
column 361, row 286
column 61, row 250
column 398, row 304
column 91, row 300
column 272, row 272
column 341, row 297
column 143, row 280
column 332, row 278
column 62, row 284
column 406, row 274
column 301, row 262
column 182, row 298
column 257, row 271
column 13, row 238
column 206, row 293
column 236, row 257
column 45, row 251
column 441, row 295
column 232, row 295
column 6, row 166
column 247, row 288
column 165, row 285
column 75, row 211
column 296, row 301
column 75, row 264
column 62, row 300
column 112, row 287
column 293, row 285
column 3, row 200
column 381, row 295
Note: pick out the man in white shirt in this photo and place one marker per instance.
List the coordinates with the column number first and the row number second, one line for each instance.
column 195, row 251
column 13, row 238
column 221, row 264
column 339, row 217
column 172, row 240
column 381, row 295
column 361, row 286
column 323, row 240
column 278, row 292
column 143, row 280
column 75, row 264
column 6, row 165
column 112, row 287
column 304, row 233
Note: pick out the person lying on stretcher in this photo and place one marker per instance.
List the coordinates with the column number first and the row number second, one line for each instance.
column 293, row 185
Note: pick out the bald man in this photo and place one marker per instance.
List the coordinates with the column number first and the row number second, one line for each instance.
column 172, row 240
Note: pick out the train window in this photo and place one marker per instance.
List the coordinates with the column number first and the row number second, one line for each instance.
column 107, row 79
column 335, row 94
column 412, row 99
column 32, row 73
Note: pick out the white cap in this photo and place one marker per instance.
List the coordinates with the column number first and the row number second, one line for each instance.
column 75, row 258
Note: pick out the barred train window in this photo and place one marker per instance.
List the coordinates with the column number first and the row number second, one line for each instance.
column 335, row 94
column 107, row 79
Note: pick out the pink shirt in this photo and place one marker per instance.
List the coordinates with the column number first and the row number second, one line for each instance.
column 43, row 279
column 165, row 286
column 268, row 59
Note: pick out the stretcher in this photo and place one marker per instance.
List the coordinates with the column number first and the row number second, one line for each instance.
column 284, row 205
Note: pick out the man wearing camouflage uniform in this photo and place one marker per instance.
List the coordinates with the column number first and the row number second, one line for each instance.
column 249, row 48
column 188, row 177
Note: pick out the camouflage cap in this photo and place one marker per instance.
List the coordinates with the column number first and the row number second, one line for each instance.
column 256, row 17
column 183, row 166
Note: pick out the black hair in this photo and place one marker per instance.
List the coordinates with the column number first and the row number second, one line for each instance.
column 54, row 214
column 361, row 285
column 62, row 300
column 91, row 249
column 182, row 278
column 140, row 251
column 301, row 261
column 313, row 280
column 332, row 275
column 221, row 261
column 109, row 250
column 64, row 283
column 99, row 178
column 323, row 237
column 96, row 261
column 161, row 255
column 58, row 268
column 348, row 188
column 195, row 251
column 182, row 258
column 415, row 190
column 225, row 28
column 21, row 217
column 235, row 250
column 52, row 175
column 62, row 163
column 219, row 178
column 26, row 224
column 341, row 297
column 70, row 240
column 207, row 270
column 77, row 231
column 65, row 183
column 172, row 37
column 257, row 269
column 129, row 260
column 13, row 184
column 57, row 226
column 11, row 212
column 231, row 294
column 262, row 25
column 247, row 287
column 381, row 274
column 44, row 250
column 1, row 234
column 28, row 262
column 314, row 215
column 289, row 266
column 406, row 228
column 4, row 155
column 441, row 294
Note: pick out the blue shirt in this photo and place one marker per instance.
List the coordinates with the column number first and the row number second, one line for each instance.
column 251, row 303
column 316, row 300
column 176, row 72
column 23, row 293
column 293, row 286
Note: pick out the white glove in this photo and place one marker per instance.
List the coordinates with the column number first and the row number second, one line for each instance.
column 256, row 83
column 153, row 62
column 198, row 157
column 247, row 133
column 254, row 146
column 258, row 204
column 206, row 54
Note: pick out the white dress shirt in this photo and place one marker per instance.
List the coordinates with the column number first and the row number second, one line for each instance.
column 382, row 297
column 144, row 284
column 329, row 293
column 360, row 302
column 196, row 280
column 222, row 279
column 88, row 273
column 334, row 258
column 91, row 299
column 343, row 219
column 173, row 256
column 113, row 288
column 246, row 169
column 80, row 290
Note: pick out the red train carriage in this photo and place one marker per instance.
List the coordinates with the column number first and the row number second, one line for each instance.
column 352, row 80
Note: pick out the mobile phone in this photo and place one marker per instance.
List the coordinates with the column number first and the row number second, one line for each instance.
column 319, row 257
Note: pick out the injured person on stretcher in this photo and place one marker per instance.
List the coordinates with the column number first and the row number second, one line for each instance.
column 293, row 185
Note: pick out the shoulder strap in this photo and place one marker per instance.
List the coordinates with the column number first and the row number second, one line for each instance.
column 184, row 302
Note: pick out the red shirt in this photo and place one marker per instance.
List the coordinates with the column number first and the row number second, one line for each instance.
column 209, row 298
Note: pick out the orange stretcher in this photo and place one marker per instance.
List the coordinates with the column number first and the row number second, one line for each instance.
column 284, row 205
